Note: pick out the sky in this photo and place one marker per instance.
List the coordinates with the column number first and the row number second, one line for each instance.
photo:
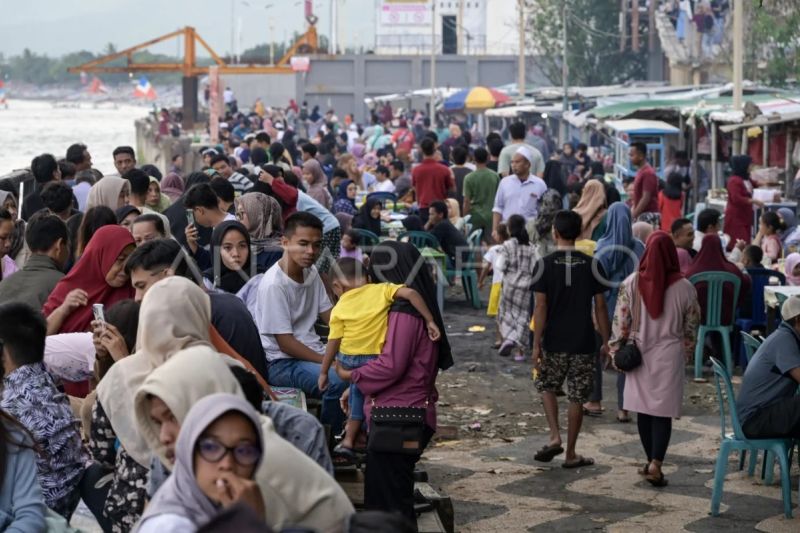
column 56, row 27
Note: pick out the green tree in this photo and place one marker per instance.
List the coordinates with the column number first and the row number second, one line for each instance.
column 772, row 41
column 593, row 48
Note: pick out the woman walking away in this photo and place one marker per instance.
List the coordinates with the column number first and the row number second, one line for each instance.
column 657, row 308
column 739, row 211
column 619, row 252
column 518, row 258
column 592, row 209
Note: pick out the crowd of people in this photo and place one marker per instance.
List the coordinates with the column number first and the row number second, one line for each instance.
column 145, row 319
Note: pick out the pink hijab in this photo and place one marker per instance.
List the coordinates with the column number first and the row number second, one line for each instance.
column 792, row 260
column 172, row 185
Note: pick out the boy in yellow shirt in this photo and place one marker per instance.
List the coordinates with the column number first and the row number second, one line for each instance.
column 358, row 327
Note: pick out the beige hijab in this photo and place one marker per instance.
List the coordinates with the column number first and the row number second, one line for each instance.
column 106, row 192
column 591, row 207
column 175, row 315
column 296, row 490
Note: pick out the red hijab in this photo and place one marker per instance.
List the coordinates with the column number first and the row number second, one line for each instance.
column 658, row 270
column 89, row 274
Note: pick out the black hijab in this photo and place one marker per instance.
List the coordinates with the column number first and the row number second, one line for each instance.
column 396, row 262
column 226, row 279
column 363, row 220
column 740, row 166
column 413, row 223
column 554, row 177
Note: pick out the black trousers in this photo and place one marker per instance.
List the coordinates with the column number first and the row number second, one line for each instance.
column 389, row 481
column 654, row 432
column 779, row 420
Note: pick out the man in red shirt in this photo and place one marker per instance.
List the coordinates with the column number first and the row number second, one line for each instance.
column 431, row 179
column 645, row 188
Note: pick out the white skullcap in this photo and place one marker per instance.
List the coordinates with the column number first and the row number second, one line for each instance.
column 526, row 153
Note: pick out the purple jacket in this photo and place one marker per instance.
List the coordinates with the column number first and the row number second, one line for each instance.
column 405, row 373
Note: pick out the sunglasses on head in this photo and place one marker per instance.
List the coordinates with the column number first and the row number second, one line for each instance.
column 213, row 451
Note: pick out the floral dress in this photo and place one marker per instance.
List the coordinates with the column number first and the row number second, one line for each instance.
column 126, row 497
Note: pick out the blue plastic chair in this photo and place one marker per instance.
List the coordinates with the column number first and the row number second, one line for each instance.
column 366, row 237
column 715, row 281
column 383, row 197
column 736, row 440
column 420, row 239
column 759, row 278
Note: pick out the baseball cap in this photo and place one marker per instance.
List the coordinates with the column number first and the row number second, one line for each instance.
column 791, row 307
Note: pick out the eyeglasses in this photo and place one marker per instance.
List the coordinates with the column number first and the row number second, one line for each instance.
column 213, row 451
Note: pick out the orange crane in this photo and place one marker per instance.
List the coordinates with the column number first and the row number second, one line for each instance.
column 306, row 44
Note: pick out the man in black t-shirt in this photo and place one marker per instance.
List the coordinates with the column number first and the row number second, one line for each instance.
column 452, row 241
column 566, row 283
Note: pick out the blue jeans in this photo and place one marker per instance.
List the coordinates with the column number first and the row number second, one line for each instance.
column 303, row 375
column 356, row 400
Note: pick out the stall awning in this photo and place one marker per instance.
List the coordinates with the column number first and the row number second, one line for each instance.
column 515, row 110
column 642, row 127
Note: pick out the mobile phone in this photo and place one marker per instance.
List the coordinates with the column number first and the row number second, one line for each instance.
column 190, row 216
column 99, row 315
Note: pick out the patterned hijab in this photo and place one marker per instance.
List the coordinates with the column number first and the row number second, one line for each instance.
column 264, row 216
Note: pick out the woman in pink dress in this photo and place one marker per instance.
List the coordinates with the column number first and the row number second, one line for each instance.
column 667, row 332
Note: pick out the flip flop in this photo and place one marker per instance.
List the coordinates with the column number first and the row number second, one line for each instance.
column 623, row 419
column 546, row 454
column 593, row 412
column 505, row 348
column 644, row 470
column 497, row 345
column 342, row 456
column 582, row 461
column 657, row 481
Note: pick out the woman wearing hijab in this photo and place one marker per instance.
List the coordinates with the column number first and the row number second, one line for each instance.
column 592, row 209
column 98, row 278
column 413, row 223
column 619, row 252
column 231, row 241
column 261, row 215
column 317, row 183
column 295, row 489
column 454, row 213
column 404, row 375
column 642, row 230
column 156, row 200
column 346, row 198
column 792, row 269
column 711, row 258
column 369, row 217
column 111, row 191
column 218, row 452
column 666, row 303
column 171, row 324
column 739, row 210
column 791, row 235
column 172, row 185
column 9, row 202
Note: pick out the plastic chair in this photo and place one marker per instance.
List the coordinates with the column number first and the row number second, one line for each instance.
column 383, row 197
column 468, row 274
column 366, row 237
column 737, row 441
column 467, row 224
column 750, row 344
column 715, row 281
column 420, row 239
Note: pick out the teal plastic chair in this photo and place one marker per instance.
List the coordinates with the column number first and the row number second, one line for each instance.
column 751, row 344
column 366, row 237
column 420, row 239
column 468, row 274
column 736, row 440
column 384, row 197
column 715, row 281
column 467, row 224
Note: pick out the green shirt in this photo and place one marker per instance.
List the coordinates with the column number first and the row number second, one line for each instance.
column 481, row 187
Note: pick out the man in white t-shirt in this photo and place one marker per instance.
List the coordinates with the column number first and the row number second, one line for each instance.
column 289, row 299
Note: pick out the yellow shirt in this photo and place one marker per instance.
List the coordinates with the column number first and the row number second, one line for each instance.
column 361, row 318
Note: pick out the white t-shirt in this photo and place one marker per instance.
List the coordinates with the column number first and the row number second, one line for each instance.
column 493, row 257
column 384, row 186
column 285, row 306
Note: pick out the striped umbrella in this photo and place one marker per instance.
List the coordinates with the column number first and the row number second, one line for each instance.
column 475, row 99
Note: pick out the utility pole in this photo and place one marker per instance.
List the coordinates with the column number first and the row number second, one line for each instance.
column 738, row 53
column 334, row 14
column 521, row 85
column 564, row 73
column 433, row 65
column 233, row 31
column 460, row 24
column 635, row 25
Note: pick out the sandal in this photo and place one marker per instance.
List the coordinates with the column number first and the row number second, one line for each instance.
column 579, row 462
column 342, row 456
column 657, row 480
column 497, row 345
column 505, row 348
column 593, row 412
column 644, row 470
column 548, row 451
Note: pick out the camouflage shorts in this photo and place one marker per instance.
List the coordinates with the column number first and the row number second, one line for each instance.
column 577, row 369
column 654, row 219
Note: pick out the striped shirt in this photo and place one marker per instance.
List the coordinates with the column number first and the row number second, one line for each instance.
column 241, row 183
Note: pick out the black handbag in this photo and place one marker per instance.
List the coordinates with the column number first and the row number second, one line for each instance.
column 397, row 429
column 629, row 357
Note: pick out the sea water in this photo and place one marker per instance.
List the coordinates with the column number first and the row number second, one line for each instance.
column 32, row 127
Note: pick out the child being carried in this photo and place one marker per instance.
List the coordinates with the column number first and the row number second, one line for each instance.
column 358, row 327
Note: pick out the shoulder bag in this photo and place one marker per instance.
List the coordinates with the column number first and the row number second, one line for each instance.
column 629, row 357
column 397, row 429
